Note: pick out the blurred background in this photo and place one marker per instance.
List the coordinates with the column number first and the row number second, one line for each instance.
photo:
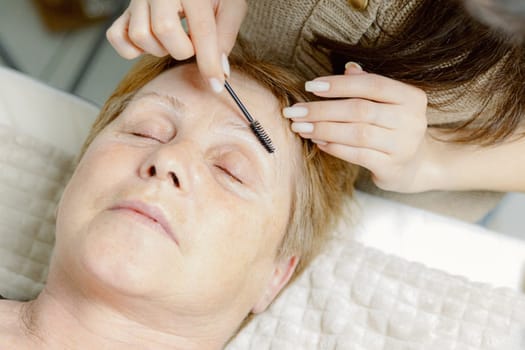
column 62, row 43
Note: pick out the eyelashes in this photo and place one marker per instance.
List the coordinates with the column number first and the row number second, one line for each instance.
column 221, row 168
column 157, row 131
column 229, row 174
column 145, row 136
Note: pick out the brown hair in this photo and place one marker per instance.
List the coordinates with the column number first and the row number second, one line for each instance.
column 324, row 181
column 441, row 47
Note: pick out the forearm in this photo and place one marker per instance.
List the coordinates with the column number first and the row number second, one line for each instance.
column 459, row 167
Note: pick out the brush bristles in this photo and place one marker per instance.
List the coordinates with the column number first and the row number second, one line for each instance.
column 264, row 139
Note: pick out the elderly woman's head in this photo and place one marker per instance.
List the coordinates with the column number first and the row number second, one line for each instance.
column 175, row 201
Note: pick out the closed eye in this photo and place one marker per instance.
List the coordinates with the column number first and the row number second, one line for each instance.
column 228, row 173
column 147, row 136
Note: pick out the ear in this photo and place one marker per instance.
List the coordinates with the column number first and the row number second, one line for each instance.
column 282, row 273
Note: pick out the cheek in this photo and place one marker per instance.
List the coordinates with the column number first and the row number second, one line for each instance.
column 94, row 181
column 242, row 234
column 234, row 254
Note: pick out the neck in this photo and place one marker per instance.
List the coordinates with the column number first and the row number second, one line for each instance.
column 60, row 319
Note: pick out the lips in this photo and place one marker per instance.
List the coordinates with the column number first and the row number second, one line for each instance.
column 150, row 212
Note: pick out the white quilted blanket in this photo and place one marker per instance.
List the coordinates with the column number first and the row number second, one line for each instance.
column 358, row 298
column 351, row 297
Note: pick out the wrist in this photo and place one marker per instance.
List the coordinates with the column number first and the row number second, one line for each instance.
column 435, row 172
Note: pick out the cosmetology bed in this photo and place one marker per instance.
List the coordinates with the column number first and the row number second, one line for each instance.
column 394, row 278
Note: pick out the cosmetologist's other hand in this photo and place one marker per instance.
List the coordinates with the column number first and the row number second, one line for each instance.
column 370, row 120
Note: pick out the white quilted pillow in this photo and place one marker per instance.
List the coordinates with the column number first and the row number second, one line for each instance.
column 32, row 178
column 41, row 128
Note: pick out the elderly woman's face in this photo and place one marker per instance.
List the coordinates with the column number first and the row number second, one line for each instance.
column 177, row 200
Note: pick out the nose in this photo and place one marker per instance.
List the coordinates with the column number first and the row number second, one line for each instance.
column 152, row 172
column 171, row 163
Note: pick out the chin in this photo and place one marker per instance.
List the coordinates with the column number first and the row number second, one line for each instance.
column 124, row 258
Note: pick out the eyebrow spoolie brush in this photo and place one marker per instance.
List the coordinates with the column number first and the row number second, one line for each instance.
column 256, row 127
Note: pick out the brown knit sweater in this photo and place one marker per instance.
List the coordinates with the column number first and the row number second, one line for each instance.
column 281, row 32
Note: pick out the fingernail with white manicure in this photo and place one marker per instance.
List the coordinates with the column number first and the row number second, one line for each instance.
column 216, row 85
column 317, row 86
column 353, row 65
column 302, row 127
column 295, row 112
column 319, row 142
column 225, row 65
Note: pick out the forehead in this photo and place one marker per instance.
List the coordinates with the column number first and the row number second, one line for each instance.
column 185, row 84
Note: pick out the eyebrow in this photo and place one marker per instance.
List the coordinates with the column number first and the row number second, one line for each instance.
column 177, row 105
column 237, row 124
column 180, row 108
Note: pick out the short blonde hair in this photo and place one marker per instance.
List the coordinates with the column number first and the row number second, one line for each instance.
column 323, row 182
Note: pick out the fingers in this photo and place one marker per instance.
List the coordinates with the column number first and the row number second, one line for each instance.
column 203, row 32
column 167, row 29
column 349, row 110
column 117, row 36
column 230, row 15
column 154, row 26
column 366, row 86
column 367, row 158
column 350, row 134
column 139, row 30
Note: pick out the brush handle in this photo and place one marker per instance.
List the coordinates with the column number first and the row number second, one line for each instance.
column 257, row 129
column 238, row 102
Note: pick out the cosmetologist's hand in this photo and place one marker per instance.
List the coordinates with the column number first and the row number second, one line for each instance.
column 376, row 122
column 154, row 27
